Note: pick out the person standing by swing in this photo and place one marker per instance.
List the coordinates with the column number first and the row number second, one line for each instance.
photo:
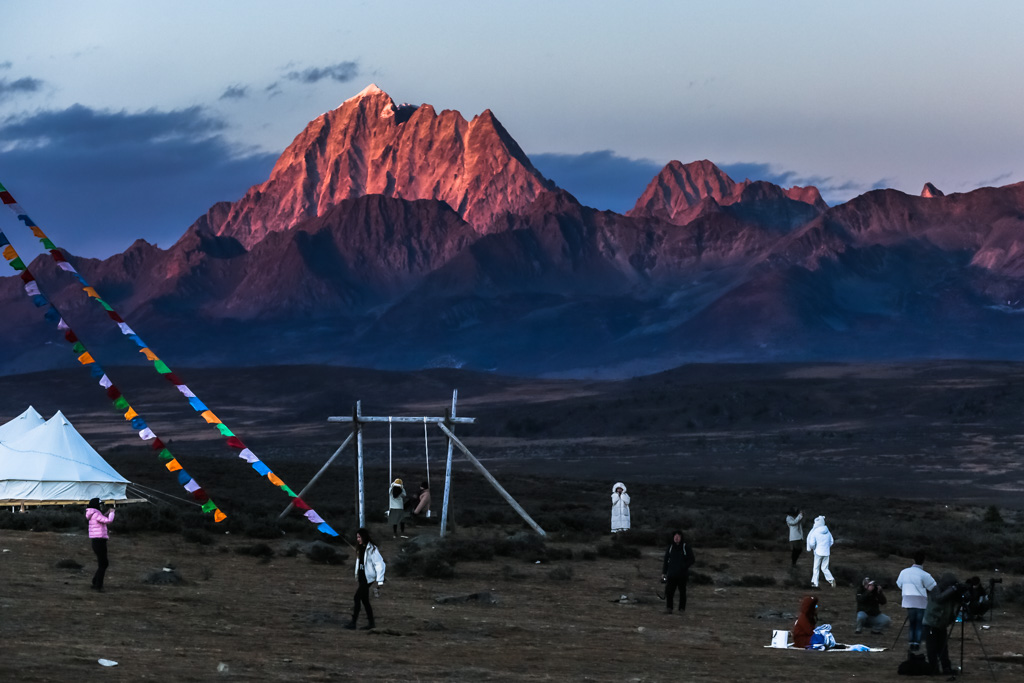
column 675, row 571
column 369, row 568
column 98, row 522
column 396, row 507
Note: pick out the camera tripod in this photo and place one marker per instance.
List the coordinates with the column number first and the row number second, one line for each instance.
column 962, row 617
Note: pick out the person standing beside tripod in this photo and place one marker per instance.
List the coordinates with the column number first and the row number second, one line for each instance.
column 943, row 605
column 915, row 583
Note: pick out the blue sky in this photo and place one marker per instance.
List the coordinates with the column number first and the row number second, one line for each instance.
column 125, row 120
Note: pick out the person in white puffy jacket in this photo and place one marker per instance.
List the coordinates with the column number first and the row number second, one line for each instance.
column 819, row 540
column 620, row 508
column 369, row 568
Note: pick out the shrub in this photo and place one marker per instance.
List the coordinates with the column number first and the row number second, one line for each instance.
column 259, row 550
column 756, row 581
column 323, row 553
column 700, row 579
column 68, row 564
column 562, row 573
column 618, row 551
column 197, row 536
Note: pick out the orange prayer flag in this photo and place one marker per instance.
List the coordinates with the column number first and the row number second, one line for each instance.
column 131, row 414
column 173, row 465
column 38, row 232
column 9, row 252
column 274, row 479
column 149, row 354
column 219, row 516
column 86, row 359
column 210, row 417
column 91, row 292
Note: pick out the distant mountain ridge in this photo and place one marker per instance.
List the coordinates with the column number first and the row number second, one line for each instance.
column 393, row 236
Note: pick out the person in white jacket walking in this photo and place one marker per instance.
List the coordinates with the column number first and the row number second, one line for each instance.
column 620, row 508
column 369, row 568
column 819, row 540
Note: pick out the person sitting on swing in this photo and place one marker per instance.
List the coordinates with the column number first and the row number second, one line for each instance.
column 422, row 502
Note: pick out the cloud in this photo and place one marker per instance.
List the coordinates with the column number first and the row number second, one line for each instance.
column 235, row 92
column 97, row 180
column 602, row 179
column 6, row 65
column 342, row 72
column 18, row 87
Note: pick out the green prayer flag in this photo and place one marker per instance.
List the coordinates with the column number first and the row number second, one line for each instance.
column 17, row 263
column 121, row 404
column 78, row 348
column 161, row 367
column 165, row 455
column 104, row 304
column 209, row 506
column 48, row 245
column 289, row 491
column 223, row 429
column 2, row 188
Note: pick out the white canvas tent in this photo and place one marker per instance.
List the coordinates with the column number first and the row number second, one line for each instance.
column 21, row 425
column 53, row 463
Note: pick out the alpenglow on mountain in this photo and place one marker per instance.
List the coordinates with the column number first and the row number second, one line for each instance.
column 396, row 236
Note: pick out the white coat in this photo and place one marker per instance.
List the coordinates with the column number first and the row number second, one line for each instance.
column 372, row 564
column 819, row 538
column 620, row 508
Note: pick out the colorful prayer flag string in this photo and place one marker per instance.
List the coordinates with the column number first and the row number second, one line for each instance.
column 118, row 400
column 161, row 367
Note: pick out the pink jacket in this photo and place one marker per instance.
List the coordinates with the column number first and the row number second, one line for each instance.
column 98, row 523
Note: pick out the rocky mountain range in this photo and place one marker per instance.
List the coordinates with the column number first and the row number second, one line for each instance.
column 394, row 236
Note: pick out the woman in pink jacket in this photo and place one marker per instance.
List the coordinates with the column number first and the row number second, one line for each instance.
column 98, row 533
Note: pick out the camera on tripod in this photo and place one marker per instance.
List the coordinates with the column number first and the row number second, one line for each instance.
column 975, row 600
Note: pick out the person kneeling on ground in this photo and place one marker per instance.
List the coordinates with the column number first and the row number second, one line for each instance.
column 675, row 571
column 803, row 629
column 870, row 599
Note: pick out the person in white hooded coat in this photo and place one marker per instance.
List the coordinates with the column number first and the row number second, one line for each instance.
column 620, row 508
column 819, row 540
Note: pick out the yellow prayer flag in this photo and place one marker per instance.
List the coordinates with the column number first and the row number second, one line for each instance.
column 86, row 358
column 9, row 252
column 131, row 414
column 274, row 479
column 211, row 418
column 173, row 465
column 149, row 354
column 91, row 292
column 219, row 516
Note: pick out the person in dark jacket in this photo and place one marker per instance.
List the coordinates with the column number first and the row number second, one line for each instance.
column 943, row 604
column 675, row 571
column 803, row 629
column 870, row 599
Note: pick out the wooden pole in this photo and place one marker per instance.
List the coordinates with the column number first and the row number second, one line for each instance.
column 494, row 482
column 317, row 475
column 359, row 460
column 448, row 466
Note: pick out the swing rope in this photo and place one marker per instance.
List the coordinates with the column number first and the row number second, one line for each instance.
column 390, row 473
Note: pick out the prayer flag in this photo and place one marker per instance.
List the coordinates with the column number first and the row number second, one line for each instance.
column 157, row 445
column 37, row 232
column 274, row 479
column 86, row 359
column 125, row 329
column 183, row 477
column 261, row 468
column 17, row 264
column 197, row 405
column 146, row 434
column 324, row 528
column 65, row 266
column 191, row 485
column 113, row 392
column 248, row 456
column 70, row 336
column 185, row 391
column 114, row 316
column 121, row 404
column 57, row 256
column 32, row 288
column 48, row 245
column 173, row 465
column 51, row 315
column 313, row 517
column 79, row 348
column 224, row 431
column 209, row 507
column 149, row 354
column 9, row 252
column 284, row 487
column 218, row 516
column 210, row 417
column 62, row 325
column 130, row 414
column 235, row 442
column 138, row 423
column 165, row 454
column 200, row 495
column 301, row 504
column 161, row 367
column 91, row 292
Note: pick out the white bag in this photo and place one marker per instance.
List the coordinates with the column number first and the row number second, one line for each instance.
column 780, row 639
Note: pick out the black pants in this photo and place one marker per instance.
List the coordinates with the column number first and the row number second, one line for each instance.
column 797, row 548
column 362, row 596
column 936, row 642
column 99, row 546
column 673, row 582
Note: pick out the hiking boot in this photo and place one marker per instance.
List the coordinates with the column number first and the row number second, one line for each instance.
column 351, row 626
column 832, row 582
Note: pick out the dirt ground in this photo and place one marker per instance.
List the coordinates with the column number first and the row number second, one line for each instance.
column 240, row 618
